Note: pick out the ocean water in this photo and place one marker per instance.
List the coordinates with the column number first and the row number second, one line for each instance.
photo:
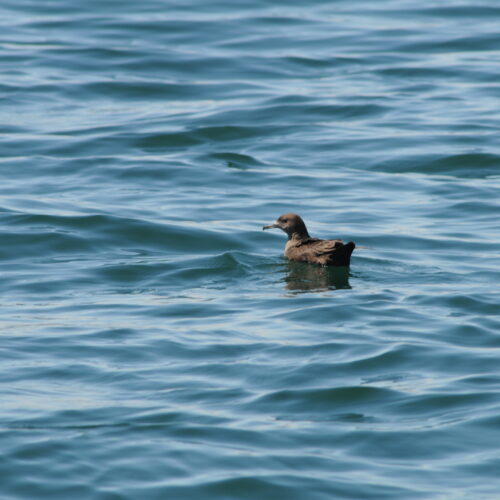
column 155, row 344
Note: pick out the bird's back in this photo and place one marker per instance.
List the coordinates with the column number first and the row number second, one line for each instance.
column 323, row 252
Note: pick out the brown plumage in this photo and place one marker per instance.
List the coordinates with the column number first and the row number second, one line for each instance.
column 301, row 247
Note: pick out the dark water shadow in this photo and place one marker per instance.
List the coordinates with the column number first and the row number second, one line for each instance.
column 303, row 277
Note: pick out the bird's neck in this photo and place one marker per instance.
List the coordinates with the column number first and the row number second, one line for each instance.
column 298, row 236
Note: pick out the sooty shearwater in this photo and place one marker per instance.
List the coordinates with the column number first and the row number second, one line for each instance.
column 301, row 247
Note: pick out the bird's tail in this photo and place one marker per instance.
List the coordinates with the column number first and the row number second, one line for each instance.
column 343, row 254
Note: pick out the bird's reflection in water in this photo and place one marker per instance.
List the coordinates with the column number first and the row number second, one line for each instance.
column 302, row 277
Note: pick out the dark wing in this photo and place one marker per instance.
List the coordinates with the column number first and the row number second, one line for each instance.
column 323, row 252
column 336, row 253
column 324, row 247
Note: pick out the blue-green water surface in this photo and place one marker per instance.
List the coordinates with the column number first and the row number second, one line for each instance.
column 154, row 342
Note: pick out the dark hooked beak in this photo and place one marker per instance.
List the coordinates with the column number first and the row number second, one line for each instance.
column 271, row 226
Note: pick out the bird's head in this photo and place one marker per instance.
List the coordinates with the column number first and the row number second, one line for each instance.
column 292, row 224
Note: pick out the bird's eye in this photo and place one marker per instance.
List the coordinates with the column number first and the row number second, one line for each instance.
column 285, row 220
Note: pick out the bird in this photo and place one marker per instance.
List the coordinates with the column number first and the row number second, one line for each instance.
column 302, row 248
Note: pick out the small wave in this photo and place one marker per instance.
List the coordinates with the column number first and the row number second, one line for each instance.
column 91, row 231
column 236, row 160
column 198, row 136
column 483, row 42
column 342, row 399
column 168, row 140
column 139, row 90
column 466, row 165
